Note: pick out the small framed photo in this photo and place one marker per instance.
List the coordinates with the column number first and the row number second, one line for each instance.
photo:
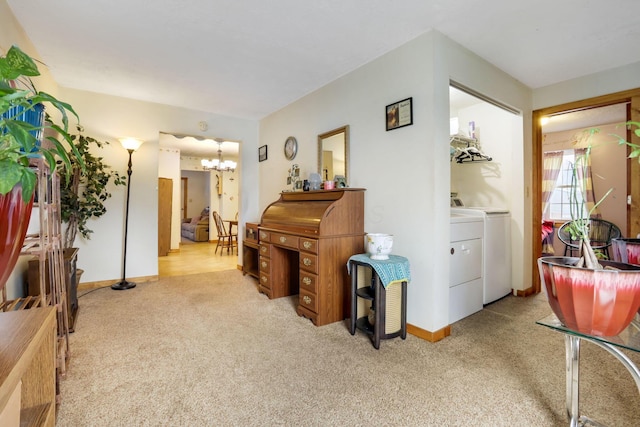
column 399, row 114
column 262, row 153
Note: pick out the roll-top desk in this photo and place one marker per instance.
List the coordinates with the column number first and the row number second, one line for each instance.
column 306, row 239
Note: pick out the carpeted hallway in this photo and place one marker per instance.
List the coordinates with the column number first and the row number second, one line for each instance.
column 209, row 350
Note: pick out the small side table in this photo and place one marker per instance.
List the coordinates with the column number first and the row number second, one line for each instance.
column 628, row 339
column 387, row 293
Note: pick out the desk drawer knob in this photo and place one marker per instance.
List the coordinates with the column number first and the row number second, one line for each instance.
column 306, row 300
column 306, row 261
column 306, row 281
column 307, row 245
column 263, row 235
column 264, row 264
column 263, row 249
column 264, row 279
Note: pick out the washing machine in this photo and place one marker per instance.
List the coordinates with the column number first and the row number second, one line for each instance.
column 496, row 250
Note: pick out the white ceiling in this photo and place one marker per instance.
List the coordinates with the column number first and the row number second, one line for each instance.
column 249, row 58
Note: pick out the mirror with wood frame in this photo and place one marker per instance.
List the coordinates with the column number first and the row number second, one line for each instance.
column 333, row 154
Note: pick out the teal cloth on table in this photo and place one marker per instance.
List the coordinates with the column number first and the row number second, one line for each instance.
column 390, row 271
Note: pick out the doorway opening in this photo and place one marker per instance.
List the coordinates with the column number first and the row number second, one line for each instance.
column 197, row 193
column 631, row 101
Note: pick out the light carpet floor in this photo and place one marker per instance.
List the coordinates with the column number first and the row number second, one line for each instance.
column 209, row 350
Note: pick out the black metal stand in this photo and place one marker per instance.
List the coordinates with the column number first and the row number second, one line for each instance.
column 377, row 294
column 124, row 284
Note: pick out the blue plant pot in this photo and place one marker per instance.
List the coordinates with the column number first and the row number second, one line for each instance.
column 33, row 116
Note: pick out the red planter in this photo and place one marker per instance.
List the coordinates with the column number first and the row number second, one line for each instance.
column 626, row 250
column 594, row 302
column 15, row 214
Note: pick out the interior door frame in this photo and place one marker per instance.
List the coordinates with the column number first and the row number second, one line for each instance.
column 632, row 98
column 185, row 195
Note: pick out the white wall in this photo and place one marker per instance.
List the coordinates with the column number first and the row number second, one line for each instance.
column 489, row 183
column 198, row 196
column 109, row 117
column 169, row 167
column 228, row 203
column 603, row 83
column 405, row 171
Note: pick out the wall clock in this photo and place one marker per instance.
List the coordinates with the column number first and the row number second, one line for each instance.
column 290, row 148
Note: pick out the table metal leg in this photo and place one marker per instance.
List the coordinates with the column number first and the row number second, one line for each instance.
column 378, row 308
column 403, row 313
column 354, row 299
column 572, row 347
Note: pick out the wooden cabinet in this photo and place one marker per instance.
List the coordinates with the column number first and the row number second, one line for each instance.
column 28, row 367
column 250, row 251
column 165, row 196
column 306, row 239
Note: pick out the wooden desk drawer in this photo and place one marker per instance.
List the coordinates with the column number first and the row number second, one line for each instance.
column 309, row 262
column 264, row 236
column 251, row 232
column 308, row 282
column 265, row 250
column 265, row 280
column 309, row 245
column 308, row 301
column 265, row 264
column 284, row 240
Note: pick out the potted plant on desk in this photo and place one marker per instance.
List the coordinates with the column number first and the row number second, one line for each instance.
column 587, row 294
column 22, row 123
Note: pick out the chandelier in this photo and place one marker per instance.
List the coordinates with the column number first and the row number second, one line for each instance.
column 219, row 164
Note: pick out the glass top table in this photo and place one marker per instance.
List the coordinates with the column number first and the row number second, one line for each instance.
column 628, row 339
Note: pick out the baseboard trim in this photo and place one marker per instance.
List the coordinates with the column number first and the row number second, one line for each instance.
column 103, row 283
column 525, row 292
column 428, row 335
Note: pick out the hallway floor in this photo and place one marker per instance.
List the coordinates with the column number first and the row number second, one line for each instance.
column 196, row 258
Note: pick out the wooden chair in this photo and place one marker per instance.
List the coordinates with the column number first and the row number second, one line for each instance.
column 225, row 239
column 601, row 233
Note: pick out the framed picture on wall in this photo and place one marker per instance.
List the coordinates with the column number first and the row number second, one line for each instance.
column 262, row 153
column 399, row 114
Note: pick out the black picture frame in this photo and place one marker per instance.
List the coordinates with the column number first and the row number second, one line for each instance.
column 399, row 114
column 262, row 153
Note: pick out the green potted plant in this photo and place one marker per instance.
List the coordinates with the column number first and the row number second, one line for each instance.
column 83, row 195
column 627, row 250
column 588, row 294
column 22, row 145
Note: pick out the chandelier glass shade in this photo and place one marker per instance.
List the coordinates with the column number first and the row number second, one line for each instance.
column 219, row 164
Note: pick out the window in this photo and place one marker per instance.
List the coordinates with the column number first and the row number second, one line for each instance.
column 558, row 207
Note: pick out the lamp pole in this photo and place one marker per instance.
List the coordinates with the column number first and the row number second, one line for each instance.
column 131, row 146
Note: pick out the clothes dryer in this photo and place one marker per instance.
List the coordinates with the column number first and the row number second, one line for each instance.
column 496, row 250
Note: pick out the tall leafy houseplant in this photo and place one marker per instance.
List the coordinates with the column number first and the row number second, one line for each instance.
column 18, row 142
column 580, row 226
column 585, row 296
column 21, row 126
column 84, row 194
